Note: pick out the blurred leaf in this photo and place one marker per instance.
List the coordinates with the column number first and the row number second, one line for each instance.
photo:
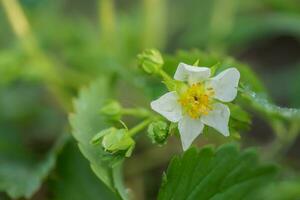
column 240, row 120
column 21, row 174
column 249, row 28
column 86, row 122
column 75, row 180
column 237, row 113
column 285, row 190
column 11, row 68
column 212, row 174
column 262, row 104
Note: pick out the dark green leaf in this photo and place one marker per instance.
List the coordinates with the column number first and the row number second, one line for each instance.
column 75, row 180
column 20, row 174
column 213, row 174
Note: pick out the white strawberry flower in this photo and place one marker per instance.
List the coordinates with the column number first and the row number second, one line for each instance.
column 199, row 103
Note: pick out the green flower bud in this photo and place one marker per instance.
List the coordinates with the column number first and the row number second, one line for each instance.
column 112, row 109
column 115, row 140
column 98, row 137
column 158, row 132
column 150, row 61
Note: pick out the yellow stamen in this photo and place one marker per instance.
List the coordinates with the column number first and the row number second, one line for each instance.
column 197, row 100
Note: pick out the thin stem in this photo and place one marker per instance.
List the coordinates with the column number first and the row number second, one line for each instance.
column 140, row 127
column 164, row 75
column 168, row 81
column 137, row 112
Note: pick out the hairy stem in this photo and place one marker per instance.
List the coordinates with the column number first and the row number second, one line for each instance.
column 137, row 112
column 140, row 127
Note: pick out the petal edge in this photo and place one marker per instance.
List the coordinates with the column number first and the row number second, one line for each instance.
column 225, row 84
column 191, row 74
column 189, row 129
column 168, row 106
column 218, row 118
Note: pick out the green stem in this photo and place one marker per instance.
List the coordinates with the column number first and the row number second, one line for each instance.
column 137, row 112
column 164, row 75
column 140, row 127
column 167, row 80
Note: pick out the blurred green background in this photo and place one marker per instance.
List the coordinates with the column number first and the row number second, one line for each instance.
column 49, row 49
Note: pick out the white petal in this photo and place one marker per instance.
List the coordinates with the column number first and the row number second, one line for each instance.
column 168, row 106
column 189, row 129
column 225, row 84
column 218, row 118
column 191, row 74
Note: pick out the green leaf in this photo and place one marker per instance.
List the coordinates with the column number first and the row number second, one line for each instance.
column 30, row 137
column 212, row 174
column 86, row 122
column 77, row 183
column 21, row 174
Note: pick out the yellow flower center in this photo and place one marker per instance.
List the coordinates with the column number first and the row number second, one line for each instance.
column 197, row 100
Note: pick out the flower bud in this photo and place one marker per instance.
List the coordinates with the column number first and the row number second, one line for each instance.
column 115, row 140
column 158, row 132
column 112, row 109
column 150, row 61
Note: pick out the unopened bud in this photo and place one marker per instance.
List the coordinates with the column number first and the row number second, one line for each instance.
column 150, row 61
column 115, row 140
column 112, row 109
column 158, row 132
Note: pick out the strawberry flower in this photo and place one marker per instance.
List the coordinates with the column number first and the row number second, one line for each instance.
column 199, row 102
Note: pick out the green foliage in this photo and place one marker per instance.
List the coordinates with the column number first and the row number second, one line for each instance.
column 86, row 122
column 30, row 130
column 284, row 190
column 79, row 49
column 240, row 120
column 73, row 178
column 212, row 174
column 20, row 174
